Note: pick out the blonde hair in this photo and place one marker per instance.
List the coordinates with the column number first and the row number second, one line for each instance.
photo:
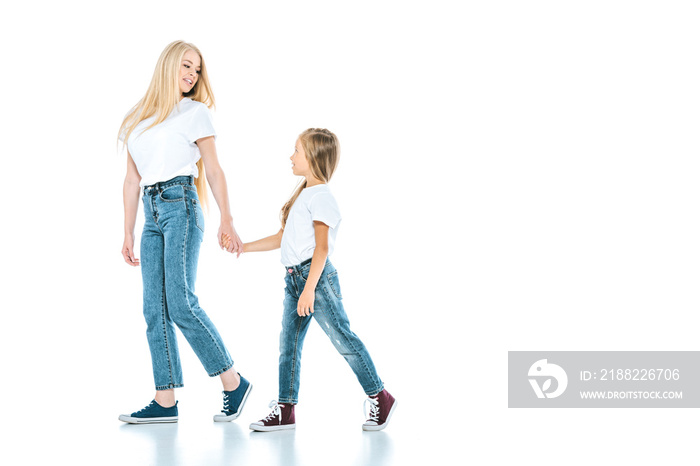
column 164, row 93
column 322, row 151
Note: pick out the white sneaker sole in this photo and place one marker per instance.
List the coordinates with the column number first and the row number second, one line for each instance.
column 147, row 420
column 224, row 418
column 262, row 428
column 375, row 427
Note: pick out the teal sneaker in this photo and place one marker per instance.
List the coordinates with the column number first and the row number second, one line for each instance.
column 234, row 402
column 151, row 414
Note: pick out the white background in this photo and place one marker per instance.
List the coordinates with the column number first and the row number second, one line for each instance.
column 514, row 176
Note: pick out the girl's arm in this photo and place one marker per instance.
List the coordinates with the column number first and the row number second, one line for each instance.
column 305, row 305
column 265, row 244
column 217, row 181
column 131, row 207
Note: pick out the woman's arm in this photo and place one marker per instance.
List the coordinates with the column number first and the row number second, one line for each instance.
column 131, row 207
column 305, row 305
column 266, row 244
column 217, row 181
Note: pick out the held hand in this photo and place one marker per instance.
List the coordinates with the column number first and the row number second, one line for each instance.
column 305, row 305
column 244, row 247
column 229, row 240
column 227, row 244
column 128, row 251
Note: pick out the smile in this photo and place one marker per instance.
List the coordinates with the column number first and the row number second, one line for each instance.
column 188, row 81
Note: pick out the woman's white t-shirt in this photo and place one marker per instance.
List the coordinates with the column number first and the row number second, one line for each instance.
column 168, row 149
column 299, row 239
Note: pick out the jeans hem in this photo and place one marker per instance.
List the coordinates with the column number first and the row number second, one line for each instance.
column 219, row 372
column 375, row 392
column 287, row 401
column 169, row 386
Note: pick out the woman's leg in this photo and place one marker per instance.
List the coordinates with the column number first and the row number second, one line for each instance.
column 162, row 341
column 182, row 225
column 230, row 380
column 165, row 398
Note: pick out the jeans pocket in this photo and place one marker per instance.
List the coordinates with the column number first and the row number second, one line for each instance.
column 172, row 193
column 334, row 284
column 198, row 214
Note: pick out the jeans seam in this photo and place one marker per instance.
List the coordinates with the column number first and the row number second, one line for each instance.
column 196, row 216
column 294, row 359
column 163, row 311
column 337, row 294
column 229, row 363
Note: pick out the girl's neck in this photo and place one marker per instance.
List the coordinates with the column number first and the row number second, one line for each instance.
column 313, row 181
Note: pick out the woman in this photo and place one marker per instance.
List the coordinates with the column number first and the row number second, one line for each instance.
column 170, row 147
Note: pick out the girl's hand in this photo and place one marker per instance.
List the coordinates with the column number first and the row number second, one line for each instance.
column 229, row 240
column 305, row 305
column 128, row 251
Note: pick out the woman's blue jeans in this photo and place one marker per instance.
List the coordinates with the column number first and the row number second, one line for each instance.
column 172, row 235
column 330, row 314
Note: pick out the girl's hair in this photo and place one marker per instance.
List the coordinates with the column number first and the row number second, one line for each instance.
column 164, row 93
column 322, row 152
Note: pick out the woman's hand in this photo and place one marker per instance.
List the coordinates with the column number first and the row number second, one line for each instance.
column 128, row 251
column 305, row 305
column 229, row 240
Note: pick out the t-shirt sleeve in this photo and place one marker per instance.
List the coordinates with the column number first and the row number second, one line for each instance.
column 201, row 125
column 325, row 209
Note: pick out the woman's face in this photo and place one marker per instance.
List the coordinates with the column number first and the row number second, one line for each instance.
column 189, row 71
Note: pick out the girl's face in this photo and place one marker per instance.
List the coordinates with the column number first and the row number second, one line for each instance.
column 189, row 71
column 300, row 166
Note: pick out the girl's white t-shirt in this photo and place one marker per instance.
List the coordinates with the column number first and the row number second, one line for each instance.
column 168, row 149
column 299, row 239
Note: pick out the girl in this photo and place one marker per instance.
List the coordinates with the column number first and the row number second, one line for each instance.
column 310, row 221
column 170, row 145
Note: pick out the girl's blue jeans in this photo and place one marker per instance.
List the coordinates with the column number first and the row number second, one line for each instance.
column 172, row 235
column 330, row 314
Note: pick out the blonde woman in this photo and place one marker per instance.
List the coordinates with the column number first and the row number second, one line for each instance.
column 310, row 221
column 170, row 149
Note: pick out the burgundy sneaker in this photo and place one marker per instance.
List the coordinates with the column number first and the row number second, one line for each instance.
column 281, row 418
column 381, row 408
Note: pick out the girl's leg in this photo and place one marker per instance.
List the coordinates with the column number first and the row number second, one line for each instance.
column 294, row 330
column 292, row 336
column 331, row 316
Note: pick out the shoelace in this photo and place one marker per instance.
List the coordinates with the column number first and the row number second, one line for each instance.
column 276, row 411
column 373, row 409
column 147, row 406
column 226, row 400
